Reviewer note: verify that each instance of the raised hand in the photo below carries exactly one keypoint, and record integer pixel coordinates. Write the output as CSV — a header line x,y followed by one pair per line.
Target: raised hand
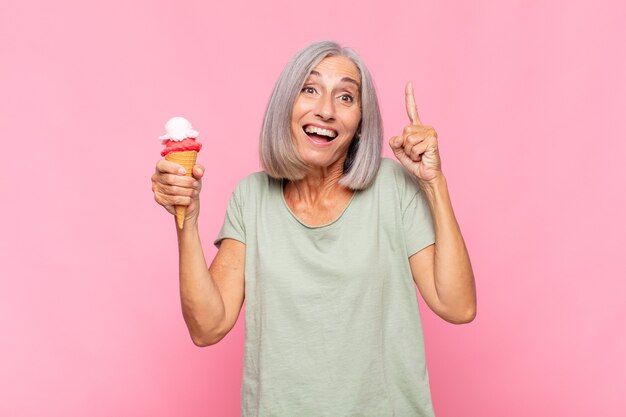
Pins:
x,y
417,149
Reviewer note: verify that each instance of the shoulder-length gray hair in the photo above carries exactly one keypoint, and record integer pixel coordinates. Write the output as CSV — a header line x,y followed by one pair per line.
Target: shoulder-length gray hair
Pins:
x,y
279,156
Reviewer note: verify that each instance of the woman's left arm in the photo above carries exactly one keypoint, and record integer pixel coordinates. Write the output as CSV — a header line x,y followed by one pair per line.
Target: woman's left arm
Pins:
x,y
442,272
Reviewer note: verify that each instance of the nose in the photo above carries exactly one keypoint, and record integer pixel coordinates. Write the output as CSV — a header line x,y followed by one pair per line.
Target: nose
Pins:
x,y
325,108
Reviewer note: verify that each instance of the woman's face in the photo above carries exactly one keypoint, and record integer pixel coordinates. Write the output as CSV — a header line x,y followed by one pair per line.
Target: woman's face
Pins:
x,y
327,113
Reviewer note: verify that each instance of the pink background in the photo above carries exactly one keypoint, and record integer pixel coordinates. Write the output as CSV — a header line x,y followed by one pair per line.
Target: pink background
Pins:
x,y
526,97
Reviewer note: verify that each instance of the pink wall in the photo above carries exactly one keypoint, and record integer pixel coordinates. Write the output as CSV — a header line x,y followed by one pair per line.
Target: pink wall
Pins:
x,y
526,97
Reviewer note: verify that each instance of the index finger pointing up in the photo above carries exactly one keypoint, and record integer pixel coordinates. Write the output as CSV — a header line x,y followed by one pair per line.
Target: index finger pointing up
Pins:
x,y
411,107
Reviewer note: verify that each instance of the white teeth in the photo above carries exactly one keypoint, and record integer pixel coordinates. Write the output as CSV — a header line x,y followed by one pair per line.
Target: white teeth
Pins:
x,y
320,131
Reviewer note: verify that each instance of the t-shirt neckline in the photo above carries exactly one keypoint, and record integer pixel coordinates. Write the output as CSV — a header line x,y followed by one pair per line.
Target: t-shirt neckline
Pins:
x,y
321,226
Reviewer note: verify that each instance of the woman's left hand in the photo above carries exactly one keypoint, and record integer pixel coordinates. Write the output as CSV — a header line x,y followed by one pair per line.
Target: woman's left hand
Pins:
x,y
417,149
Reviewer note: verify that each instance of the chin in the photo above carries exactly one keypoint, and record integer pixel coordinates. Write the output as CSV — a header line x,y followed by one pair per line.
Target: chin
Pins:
x,y
322,163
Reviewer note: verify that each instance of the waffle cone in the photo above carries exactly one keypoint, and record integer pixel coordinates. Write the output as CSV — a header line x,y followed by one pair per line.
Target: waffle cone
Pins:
x,y
187,159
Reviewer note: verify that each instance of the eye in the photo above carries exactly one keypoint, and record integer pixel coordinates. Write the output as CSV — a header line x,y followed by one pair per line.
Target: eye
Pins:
x,y
346,98
308,89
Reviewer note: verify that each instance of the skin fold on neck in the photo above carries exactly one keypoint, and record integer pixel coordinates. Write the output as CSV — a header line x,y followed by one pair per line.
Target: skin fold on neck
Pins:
x,y
318,198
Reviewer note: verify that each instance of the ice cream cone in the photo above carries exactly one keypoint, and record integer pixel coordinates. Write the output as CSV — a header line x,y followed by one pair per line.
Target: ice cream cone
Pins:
x,y
187,159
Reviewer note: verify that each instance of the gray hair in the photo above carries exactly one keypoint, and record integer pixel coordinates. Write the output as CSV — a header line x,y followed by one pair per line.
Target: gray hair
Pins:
x,y
279,156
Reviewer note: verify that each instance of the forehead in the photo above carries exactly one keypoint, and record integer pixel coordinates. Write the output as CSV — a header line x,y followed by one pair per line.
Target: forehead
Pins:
x,y
338,67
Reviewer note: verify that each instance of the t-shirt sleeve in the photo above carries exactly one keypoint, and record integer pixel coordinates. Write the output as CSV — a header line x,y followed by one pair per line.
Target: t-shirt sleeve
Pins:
x,y
416,218
233,227
418,224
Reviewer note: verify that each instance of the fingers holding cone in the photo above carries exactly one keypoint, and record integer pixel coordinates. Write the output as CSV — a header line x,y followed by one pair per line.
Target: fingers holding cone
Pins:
x,y
187,159
176,186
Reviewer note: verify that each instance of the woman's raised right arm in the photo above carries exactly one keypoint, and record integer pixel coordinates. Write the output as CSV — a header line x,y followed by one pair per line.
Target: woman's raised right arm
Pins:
x,y
211,298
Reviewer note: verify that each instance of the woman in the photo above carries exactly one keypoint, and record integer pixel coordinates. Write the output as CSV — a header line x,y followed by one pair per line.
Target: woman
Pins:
x,y
329,240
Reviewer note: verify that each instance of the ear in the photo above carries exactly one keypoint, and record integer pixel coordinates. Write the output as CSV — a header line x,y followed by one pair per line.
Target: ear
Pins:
x,y
352,151
357,135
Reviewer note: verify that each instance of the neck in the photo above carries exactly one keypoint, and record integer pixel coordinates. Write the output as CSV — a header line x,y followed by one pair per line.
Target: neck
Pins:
x,y
318,187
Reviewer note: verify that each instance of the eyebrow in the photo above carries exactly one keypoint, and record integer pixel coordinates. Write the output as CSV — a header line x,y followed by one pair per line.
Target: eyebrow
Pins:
x,y
346,79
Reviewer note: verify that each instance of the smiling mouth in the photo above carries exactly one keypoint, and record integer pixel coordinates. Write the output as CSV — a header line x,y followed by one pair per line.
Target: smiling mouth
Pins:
x,y
319,134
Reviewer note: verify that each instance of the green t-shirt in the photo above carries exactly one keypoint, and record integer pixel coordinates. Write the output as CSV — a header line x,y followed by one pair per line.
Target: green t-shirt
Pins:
x,y
332,323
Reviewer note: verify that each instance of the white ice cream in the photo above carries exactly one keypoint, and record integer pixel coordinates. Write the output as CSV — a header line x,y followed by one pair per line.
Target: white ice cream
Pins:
x,y
178,128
